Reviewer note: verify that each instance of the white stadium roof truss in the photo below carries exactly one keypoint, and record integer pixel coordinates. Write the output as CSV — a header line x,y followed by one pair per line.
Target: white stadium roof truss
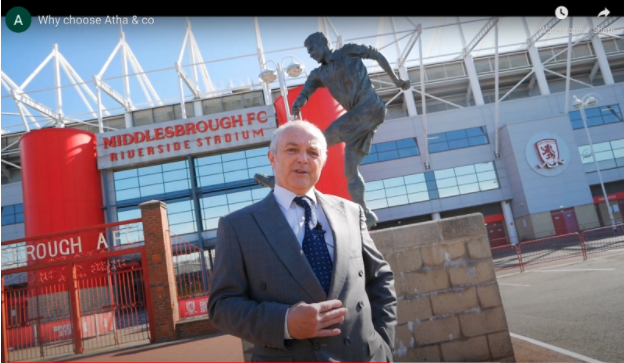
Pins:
x,y
200,84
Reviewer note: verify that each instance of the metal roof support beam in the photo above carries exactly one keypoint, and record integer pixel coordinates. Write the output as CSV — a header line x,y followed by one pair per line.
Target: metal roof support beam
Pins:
x,y
532,39
496,89
423,103
480,35
8,163
20,97
601,56
571,79
57,82
338,36
72,80
408,97
470,67
266,89
568,66
594,71
416,36
536,61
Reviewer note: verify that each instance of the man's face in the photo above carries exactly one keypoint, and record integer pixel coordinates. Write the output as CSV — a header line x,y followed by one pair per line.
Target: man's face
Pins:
x,y
317,51
298,160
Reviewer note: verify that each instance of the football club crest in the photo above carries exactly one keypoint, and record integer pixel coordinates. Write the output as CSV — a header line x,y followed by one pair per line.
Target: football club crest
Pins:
x,y
548,152
190,306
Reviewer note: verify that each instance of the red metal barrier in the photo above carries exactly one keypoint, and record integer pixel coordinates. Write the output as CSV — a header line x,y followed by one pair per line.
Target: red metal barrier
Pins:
x,y
551,249
604,238
506,257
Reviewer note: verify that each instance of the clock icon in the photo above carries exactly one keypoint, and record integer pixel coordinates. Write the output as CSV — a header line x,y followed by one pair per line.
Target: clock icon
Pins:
x,y
561,12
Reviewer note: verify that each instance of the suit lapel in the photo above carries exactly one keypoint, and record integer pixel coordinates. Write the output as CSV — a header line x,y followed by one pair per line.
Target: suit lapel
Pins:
x,y
284,242
335,213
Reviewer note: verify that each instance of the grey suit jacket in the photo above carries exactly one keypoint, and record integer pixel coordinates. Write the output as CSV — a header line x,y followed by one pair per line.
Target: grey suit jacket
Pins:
x,y
260,271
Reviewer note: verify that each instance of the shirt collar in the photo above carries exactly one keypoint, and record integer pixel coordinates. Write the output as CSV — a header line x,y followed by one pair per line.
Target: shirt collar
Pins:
x,y
334,55
285,197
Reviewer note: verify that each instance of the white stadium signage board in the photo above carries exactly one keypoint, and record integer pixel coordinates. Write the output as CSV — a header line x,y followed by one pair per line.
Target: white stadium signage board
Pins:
x,y
195,135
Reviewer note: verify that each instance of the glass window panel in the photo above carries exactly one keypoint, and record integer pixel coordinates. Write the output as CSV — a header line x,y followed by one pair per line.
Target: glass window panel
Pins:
x,y
414,178
378,204
184,228
604,155
594,121
484,167
394,182
214,201
400,200
458,144
236,175
8,210
370,158
611,118
488,175
374,185
211,180
239,197
257,152
475,131
445,183
404,153
455,135
19,218
216,159
150,170
375,194
175,175
585,153
602,146
262,160
150,179
210,169
388,155
237,206
177,185
406,143
577,124
588,168
431,185
436,148
444,173
386,146
619,153
479,140
489,184
373,148
177,218
467,179
235,165
448,192
592,112
9,219
469,188
418,197
429,176
416,188
128,215
393,192
607,164
125,174
575,115
620,162
178,207
152,189
259,194
19,208
268,170
233,156
433,194
210,224
436,138
617,144
464,170
174,166
215,212
127,194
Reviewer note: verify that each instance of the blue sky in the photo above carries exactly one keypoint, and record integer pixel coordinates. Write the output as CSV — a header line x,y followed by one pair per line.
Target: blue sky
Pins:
x,y
157,46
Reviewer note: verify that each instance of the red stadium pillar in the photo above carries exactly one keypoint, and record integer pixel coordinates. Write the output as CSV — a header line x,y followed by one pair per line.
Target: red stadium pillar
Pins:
x,y
321,110
62,191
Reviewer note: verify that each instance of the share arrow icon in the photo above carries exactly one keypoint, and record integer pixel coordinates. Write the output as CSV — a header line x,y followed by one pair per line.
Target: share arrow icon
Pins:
x,y
604,13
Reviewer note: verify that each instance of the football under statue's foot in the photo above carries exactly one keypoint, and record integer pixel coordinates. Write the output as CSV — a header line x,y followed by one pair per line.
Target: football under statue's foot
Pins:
x,y
266,180
371,219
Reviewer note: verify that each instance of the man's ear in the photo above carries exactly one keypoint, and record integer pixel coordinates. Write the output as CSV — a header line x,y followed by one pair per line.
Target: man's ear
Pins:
x,y
271,157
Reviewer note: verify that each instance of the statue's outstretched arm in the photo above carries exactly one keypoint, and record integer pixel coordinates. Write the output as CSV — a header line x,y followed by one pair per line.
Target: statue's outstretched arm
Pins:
x,y
369,52
383,63
312,84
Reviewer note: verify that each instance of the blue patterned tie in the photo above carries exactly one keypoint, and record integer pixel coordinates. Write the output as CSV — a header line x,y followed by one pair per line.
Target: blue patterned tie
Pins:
x,y
314,245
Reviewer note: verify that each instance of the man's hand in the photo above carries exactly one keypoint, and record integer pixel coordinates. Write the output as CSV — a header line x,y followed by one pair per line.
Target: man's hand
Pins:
x,y
404,85
310,320
296,107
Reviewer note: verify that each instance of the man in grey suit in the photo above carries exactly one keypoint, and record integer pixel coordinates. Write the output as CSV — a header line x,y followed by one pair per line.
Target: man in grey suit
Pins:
x,y
297,273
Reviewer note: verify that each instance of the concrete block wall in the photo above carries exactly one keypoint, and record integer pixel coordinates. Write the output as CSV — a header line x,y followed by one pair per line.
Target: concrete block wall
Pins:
x,y
449,308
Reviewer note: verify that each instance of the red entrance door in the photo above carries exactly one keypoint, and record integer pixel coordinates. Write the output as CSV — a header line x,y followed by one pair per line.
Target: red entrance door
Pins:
x,y
496,234
564,221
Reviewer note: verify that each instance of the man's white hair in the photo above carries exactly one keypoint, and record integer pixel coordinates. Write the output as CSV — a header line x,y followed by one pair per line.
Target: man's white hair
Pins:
x,y
300,124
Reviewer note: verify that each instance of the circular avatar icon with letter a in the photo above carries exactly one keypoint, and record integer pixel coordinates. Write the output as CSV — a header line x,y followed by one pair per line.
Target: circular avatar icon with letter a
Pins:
x,y
18,19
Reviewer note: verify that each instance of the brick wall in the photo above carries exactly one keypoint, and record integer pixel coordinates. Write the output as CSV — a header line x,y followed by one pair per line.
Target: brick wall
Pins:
x,y
449,306
194,328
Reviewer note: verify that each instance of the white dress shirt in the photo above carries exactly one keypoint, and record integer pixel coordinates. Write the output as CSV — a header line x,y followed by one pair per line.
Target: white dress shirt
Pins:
x,y
295,215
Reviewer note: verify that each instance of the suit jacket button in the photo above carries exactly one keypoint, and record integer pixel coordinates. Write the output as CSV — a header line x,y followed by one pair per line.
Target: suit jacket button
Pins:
x,y
347,341
317,346
263,286
359,307
361,273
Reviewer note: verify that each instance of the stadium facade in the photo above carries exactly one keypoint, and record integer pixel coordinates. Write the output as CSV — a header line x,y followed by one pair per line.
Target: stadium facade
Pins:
x,y
525,161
